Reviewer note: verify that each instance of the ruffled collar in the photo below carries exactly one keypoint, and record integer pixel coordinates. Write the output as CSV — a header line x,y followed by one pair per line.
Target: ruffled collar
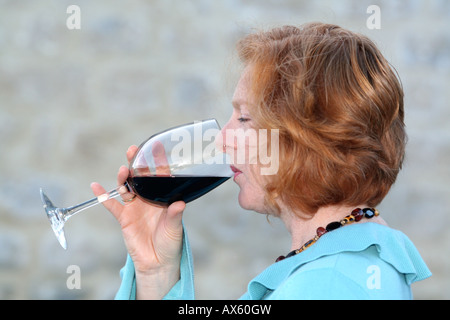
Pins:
x,y
393,246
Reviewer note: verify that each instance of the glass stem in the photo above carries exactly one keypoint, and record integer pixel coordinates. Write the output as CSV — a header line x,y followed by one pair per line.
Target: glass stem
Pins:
x,y
70,211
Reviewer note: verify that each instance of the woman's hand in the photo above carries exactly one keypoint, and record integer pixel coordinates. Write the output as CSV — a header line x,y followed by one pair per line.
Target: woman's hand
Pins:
x,y
153,237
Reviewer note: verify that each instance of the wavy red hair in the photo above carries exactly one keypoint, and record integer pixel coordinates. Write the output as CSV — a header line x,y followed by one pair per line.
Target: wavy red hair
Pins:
x,y
338,105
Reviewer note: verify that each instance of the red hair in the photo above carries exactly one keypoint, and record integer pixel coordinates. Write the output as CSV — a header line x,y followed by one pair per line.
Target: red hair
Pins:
x,y
338,106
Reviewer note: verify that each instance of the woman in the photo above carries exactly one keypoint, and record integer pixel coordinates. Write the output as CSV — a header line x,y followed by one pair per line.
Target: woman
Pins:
x,y
338,109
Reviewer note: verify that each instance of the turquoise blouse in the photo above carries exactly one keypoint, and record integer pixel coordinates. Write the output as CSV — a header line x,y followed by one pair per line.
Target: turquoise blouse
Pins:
x,y
359,261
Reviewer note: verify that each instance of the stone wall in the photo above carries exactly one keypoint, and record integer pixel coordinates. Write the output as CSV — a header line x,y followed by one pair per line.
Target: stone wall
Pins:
x,y
72,101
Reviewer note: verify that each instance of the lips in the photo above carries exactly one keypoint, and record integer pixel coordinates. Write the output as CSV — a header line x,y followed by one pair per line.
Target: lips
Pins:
x,y
236,171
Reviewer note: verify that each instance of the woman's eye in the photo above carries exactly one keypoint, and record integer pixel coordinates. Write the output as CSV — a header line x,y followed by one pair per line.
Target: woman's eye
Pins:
x,y
242,119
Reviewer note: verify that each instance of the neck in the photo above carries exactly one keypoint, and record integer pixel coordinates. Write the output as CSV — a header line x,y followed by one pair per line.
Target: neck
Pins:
x,y
302,228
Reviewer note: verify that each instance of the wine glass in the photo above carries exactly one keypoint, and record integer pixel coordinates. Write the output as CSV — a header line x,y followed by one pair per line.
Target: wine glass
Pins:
x,y
181,163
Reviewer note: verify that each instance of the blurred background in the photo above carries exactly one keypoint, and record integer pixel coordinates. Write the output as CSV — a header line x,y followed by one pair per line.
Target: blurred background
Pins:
x,y
73,100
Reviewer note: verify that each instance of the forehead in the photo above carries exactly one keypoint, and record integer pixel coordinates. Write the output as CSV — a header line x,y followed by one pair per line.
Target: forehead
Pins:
x,y
241,93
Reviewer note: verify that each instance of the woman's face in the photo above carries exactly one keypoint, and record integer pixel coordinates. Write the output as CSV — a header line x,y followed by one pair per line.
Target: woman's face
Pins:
x,y
240,143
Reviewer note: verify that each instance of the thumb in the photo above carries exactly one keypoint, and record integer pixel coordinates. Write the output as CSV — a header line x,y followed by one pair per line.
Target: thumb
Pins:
x,y
174,217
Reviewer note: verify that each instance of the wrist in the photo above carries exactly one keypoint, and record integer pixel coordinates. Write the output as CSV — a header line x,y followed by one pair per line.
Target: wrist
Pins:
x,y
154,285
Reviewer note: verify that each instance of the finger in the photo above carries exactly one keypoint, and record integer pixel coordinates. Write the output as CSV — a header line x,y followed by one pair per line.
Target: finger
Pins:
x,y
122,176
137,162
131,152
160,159
112,205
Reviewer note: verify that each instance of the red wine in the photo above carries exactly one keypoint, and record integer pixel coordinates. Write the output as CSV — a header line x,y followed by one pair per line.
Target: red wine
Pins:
x,y
168,189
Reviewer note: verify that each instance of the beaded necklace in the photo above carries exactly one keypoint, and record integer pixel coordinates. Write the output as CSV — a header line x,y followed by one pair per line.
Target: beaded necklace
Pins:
x,y
356,215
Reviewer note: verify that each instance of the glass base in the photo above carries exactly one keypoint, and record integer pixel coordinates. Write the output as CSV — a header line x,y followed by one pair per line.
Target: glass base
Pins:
x,y
56,218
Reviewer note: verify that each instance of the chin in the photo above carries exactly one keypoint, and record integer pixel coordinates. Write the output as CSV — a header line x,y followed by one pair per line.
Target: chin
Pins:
x,y
251,204
243,203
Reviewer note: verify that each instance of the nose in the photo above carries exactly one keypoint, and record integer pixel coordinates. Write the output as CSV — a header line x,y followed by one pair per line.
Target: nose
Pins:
x,y
225,143
221,140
